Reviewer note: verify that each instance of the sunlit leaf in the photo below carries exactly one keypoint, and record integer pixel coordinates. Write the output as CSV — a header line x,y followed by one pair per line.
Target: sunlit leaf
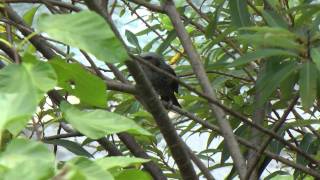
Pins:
x,y
22,157
98,123
29,15
76,80
83,168
22,87
85,30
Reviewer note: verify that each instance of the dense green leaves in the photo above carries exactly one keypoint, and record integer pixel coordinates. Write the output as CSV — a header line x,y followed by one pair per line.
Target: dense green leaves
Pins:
x,y
26,159
270,37
261,53
22,87
90,89
85,30
265,48
98,123
273,78
270,40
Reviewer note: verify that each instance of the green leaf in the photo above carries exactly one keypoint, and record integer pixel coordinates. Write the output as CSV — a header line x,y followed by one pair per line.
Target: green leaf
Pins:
x,y
315,55
166,43
29,15
276,173
147,30
22,87
71,146
98,123
165,22
283,177
239,13
90,89
42,74
133,174
287,86
119,161
36,74
265,30
275,146
271,40
132,38
300,123
308,145
260,53
16,90
149,45
273,19
85,169
85,30
273,79
28,160
308,84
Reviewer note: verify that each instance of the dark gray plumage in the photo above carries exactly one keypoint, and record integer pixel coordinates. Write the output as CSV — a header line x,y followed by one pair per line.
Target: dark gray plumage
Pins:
x,y
164,85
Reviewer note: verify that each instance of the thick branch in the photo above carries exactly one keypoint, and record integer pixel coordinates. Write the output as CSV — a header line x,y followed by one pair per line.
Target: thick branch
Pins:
x,y
166,127
154,105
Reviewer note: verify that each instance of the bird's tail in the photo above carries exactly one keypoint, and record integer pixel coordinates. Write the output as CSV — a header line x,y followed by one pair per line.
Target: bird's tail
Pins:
x,y
174,100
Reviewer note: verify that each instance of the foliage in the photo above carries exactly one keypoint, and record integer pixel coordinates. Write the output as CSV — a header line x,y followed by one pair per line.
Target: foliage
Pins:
x,y
259,56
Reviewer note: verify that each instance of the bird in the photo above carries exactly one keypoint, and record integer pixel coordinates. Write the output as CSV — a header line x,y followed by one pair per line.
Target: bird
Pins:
x,y
164,85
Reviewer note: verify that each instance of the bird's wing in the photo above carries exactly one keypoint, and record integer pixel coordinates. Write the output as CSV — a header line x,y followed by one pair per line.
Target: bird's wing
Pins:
x,y
174,84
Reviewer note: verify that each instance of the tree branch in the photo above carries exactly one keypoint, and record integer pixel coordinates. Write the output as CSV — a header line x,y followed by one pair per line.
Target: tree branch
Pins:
x,y
149,6
199,70
53,2
275,128
243,141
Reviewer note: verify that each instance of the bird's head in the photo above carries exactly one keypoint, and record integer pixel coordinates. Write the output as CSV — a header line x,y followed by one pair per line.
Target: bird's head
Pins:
x,y
153,58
